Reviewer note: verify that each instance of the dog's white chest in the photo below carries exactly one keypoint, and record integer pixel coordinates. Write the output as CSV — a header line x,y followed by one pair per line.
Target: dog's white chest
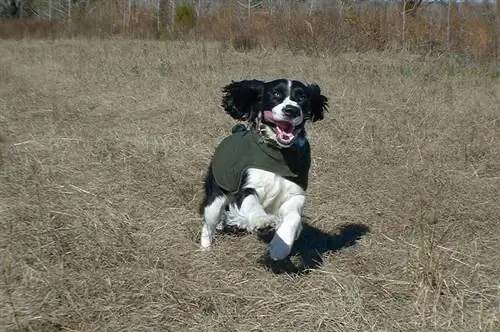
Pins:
x,y
272,190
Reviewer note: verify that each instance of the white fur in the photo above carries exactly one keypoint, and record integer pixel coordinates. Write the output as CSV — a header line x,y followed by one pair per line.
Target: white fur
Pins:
x,y
250,215
278,203
279,115
278,109
290,228
212,215
272,189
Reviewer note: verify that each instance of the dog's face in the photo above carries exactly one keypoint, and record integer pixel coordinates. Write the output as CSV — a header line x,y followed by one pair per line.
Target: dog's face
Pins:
x,y
278,109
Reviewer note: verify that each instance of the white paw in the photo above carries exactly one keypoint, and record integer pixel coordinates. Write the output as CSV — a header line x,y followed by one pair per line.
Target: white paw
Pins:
x,y
205,244
206,237
278,249
204,249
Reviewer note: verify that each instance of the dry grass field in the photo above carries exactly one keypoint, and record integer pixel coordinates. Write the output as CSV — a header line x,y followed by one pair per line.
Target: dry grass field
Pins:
x,y
104,145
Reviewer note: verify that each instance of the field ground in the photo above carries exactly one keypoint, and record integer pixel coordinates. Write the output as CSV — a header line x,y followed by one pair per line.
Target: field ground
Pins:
x,y
104,145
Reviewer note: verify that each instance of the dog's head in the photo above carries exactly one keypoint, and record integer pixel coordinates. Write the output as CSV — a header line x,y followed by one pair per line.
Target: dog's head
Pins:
x,y
278,109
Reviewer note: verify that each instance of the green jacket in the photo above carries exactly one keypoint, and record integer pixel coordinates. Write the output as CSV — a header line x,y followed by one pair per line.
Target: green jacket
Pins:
x,y
244,149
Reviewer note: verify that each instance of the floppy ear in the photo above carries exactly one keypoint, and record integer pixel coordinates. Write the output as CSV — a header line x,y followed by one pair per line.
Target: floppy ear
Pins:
x,y
242,100
318,103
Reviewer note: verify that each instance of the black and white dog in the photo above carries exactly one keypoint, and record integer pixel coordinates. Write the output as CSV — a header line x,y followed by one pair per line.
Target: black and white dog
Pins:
x,y
258,175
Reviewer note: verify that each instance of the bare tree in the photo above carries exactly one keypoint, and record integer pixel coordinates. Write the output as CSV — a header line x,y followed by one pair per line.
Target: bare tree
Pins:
x,y
249,5
448,27
162,13
497,36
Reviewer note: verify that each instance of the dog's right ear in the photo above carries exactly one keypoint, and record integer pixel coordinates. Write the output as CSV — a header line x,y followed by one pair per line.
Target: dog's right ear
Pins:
x,y
242,100
318,103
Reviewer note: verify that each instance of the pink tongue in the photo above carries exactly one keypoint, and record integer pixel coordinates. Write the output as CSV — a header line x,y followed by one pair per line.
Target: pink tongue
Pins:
x,y
284,127
285,136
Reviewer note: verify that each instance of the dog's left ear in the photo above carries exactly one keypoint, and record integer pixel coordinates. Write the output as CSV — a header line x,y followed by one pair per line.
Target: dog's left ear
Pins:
x,y
242,100
318,103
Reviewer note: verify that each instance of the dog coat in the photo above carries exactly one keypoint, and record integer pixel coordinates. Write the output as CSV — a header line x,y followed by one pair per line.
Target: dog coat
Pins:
x,y
244,149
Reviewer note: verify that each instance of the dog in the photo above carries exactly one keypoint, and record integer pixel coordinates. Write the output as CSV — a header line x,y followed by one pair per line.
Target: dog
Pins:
x,y
258,175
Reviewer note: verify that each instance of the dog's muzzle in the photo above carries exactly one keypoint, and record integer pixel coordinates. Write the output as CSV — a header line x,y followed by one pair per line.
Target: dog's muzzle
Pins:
x,y
286,133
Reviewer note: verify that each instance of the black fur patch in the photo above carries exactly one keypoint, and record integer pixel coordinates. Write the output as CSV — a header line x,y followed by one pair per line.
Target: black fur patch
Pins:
x,y
241,100
212,190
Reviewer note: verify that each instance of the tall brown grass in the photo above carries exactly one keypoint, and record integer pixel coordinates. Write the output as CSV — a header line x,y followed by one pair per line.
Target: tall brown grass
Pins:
x,y
470,29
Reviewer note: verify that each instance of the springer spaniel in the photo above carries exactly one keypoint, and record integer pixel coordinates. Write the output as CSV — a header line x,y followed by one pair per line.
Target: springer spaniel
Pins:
x,y
258,175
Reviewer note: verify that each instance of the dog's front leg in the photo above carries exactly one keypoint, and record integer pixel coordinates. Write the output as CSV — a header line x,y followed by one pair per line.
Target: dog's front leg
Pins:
x,y
289,230
211,218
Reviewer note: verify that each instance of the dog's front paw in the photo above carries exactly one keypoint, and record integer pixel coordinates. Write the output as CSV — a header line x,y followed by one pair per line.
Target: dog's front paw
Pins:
x,y
205,244
206,240
278,248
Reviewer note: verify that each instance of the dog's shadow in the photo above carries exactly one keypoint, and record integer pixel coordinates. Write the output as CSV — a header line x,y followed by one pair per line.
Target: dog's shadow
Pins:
x,y
312,245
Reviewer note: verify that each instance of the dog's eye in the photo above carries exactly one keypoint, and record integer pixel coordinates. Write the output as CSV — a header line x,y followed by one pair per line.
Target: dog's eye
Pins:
x,y
277,94
301,98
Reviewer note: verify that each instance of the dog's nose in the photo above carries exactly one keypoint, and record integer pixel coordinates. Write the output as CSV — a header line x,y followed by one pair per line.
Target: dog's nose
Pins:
x,y
291,111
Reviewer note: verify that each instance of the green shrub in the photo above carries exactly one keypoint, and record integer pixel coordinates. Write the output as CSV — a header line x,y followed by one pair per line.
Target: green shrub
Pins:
x,y
185,14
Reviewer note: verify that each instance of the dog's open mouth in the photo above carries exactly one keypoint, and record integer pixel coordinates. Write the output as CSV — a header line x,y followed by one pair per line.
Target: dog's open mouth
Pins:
x,y
284,130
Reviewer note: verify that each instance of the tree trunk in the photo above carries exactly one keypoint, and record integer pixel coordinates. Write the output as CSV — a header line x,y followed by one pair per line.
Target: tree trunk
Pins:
x,y
162,13
448,27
